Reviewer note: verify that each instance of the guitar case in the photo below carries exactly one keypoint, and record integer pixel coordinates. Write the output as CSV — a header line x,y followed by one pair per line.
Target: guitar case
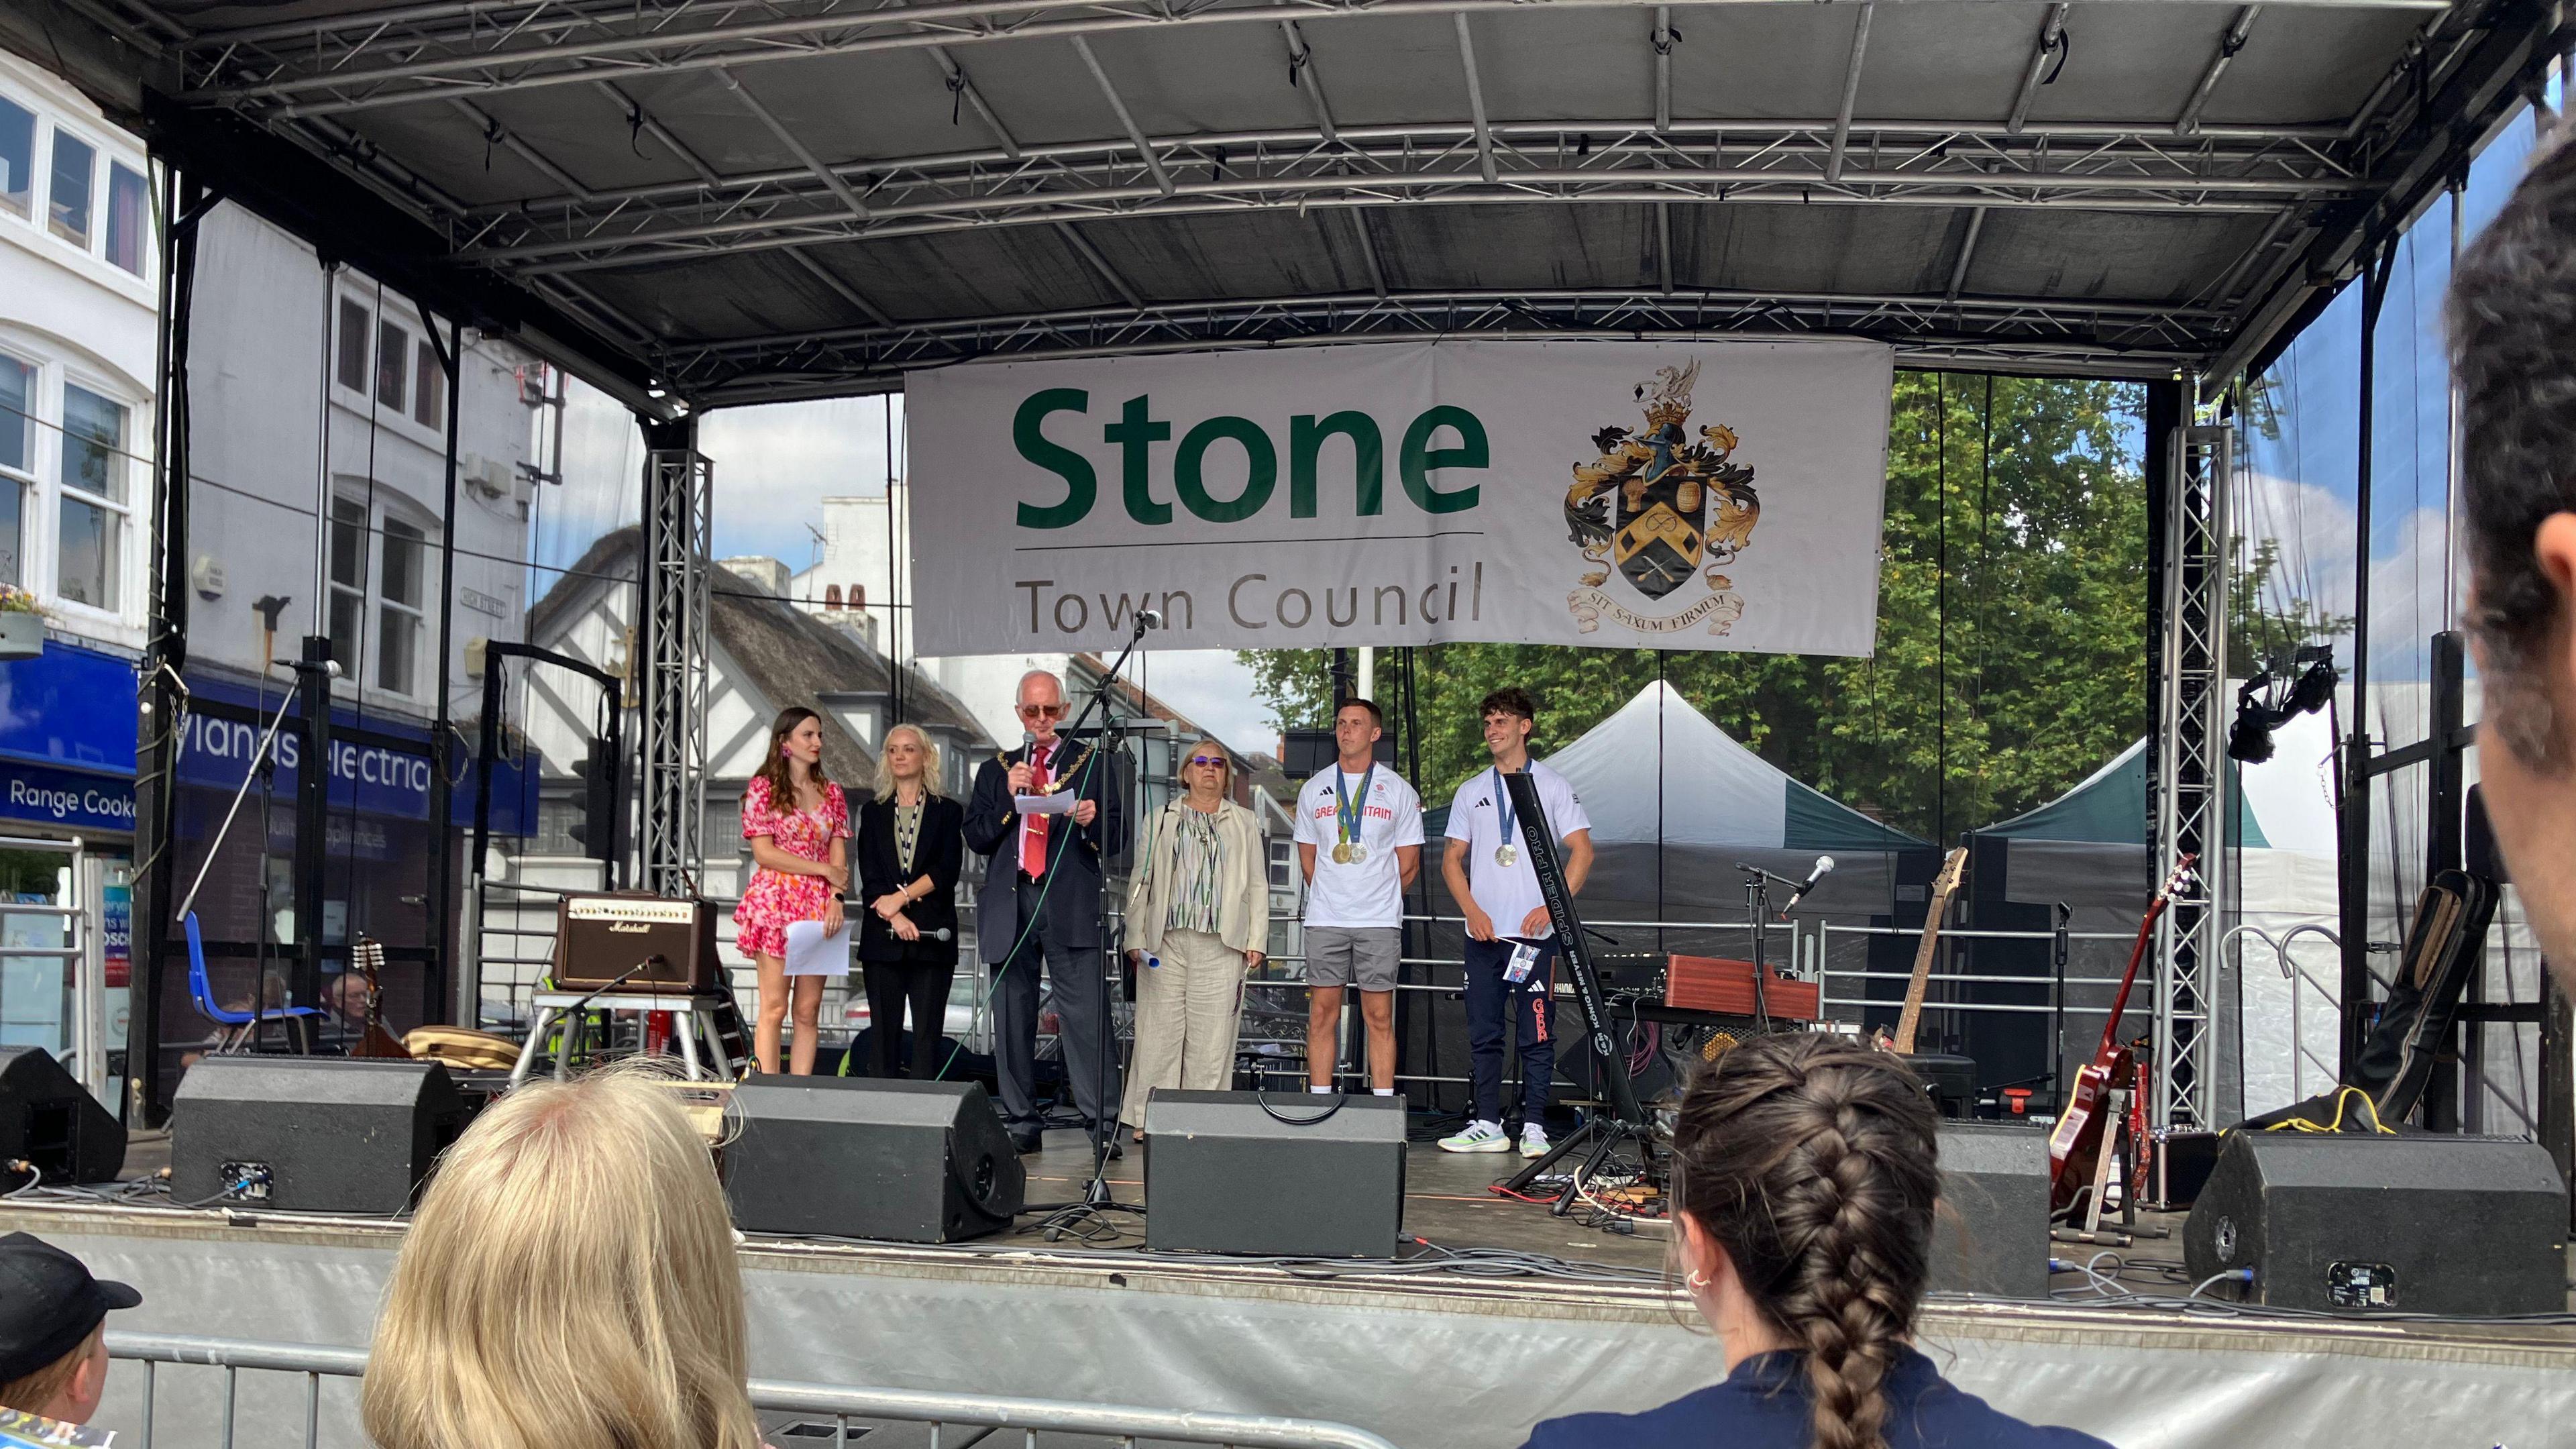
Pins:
x,y
2446,944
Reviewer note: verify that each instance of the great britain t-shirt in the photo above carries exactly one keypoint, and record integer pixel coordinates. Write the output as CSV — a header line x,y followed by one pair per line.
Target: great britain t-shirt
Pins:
x,y
1508,893
1368,892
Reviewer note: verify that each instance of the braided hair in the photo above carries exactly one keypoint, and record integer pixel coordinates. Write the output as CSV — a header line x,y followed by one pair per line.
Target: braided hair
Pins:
x,y
1812,1160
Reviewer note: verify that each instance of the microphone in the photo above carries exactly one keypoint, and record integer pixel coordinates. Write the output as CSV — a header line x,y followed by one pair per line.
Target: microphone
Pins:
x,y
942,934
1824,867
1150,618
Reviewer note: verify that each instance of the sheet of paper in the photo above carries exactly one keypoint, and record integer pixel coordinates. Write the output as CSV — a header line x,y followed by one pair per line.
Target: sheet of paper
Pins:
x,y
811,953
1058,803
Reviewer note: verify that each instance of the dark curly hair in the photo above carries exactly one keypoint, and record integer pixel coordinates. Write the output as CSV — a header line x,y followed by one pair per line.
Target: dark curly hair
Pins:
x,y
2512,313
1813,1160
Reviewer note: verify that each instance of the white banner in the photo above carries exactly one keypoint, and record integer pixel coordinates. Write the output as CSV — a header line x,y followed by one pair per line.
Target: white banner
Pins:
x,y
1686,496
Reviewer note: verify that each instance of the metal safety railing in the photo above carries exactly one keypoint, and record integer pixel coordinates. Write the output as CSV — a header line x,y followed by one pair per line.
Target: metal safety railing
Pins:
x,y
984,1413
2297,976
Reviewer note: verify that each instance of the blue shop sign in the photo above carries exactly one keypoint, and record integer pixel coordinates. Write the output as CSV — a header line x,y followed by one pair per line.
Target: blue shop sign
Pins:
x,y
69,706
71,799
377,779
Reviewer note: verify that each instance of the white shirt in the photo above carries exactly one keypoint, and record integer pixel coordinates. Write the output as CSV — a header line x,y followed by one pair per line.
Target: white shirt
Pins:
x,y
1367,892
1508,893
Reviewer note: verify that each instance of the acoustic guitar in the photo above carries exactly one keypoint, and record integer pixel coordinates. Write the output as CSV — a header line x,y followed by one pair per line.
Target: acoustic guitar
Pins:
x,y
2075,1145
368,958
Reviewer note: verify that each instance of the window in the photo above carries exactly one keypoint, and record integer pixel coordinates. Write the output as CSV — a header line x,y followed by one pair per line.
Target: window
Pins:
x,y
393,356
354,322
1283,863
398,615
348,575
67,202
17,159
429,393
17,457
127,221
93,499
388,658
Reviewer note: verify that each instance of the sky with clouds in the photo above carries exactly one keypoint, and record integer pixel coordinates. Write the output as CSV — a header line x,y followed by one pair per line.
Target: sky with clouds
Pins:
x,y
773,466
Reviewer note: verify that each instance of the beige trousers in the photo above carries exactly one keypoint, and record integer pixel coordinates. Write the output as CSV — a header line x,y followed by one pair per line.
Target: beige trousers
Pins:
x,y
1188,1012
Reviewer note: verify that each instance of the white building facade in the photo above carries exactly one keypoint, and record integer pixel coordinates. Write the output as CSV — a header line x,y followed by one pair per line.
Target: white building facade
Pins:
x,y
79,307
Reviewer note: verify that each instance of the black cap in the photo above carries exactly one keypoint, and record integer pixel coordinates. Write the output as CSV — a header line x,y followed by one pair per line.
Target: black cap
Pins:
x,y
48,1304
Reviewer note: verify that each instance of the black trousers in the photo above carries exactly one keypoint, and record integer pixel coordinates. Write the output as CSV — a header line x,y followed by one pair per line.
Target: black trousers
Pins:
x,y
1080,991
892,985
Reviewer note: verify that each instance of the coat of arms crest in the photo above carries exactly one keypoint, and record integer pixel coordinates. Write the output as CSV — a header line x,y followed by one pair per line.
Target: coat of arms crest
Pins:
x,y
1644,505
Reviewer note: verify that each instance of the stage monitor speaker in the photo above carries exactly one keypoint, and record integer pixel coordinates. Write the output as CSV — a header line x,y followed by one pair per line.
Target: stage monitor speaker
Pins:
x,y
310,1134
859,1157
2416,1224
50,1120
1274,1174
1991,1233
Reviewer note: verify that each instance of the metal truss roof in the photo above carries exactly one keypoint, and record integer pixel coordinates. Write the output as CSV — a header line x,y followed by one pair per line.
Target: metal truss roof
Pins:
x,y
752,199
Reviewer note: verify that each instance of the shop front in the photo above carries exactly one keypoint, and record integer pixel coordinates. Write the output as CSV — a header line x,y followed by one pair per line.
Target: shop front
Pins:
x,y
67,751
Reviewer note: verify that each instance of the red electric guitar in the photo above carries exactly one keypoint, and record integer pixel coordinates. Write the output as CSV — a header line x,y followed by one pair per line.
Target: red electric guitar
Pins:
x,y
2075,1147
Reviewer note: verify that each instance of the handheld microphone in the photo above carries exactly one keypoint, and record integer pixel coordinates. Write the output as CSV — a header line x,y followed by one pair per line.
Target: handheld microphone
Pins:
x,y
942,934
1824,867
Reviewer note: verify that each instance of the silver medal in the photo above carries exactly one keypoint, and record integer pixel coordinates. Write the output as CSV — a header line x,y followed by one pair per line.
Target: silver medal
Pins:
x,y
1505,855
1359,852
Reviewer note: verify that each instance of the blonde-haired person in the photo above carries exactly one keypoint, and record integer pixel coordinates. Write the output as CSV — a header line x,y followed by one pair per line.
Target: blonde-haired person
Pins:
x,y
911,846
568,1283
1805,1168
1199,911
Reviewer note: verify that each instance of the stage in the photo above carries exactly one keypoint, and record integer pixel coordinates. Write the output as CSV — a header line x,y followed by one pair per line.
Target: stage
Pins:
x,y
1501,1316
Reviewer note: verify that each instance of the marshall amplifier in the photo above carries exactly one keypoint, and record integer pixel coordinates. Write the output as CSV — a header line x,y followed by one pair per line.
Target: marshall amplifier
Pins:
x,y
599,938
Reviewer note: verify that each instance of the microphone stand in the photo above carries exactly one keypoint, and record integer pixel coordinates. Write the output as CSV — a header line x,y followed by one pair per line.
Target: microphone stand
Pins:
x,y
1757,899
1083,1216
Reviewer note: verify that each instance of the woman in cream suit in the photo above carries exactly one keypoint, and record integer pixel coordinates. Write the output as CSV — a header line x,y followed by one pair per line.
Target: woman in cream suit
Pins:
x,y
1198,916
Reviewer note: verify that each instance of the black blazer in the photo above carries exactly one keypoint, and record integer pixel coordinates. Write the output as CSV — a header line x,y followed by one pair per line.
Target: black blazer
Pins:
x,y
940,854
1073,902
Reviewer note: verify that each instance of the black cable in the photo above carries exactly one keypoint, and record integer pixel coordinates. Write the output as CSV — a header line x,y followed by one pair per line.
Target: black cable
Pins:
x,y
1262,1098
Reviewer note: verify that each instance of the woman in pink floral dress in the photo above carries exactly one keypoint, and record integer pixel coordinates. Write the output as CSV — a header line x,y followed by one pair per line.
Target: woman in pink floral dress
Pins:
x,y
799,829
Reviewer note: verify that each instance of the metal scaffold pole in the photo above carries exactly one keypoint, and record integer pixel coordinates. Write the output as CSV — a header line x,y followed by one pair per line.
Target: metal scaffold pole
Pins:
x,y
679,504
2192,777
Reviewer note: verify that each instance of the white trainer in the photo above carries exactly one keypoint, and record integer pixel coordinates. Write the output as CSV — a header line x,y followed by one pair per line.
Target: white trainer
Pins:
x,y
1533,1141
1478,1137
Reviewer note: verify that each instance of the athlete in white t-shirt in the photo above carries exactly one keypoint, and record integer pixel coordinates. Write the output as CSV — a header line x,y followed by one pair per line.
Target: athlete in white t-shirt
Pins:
x,y
1489,875
1359,841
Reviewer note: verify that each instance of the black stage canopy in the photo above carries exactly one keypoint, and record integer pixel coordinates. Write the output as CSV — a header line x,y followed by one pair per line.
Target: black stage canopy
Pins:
x,y
735,202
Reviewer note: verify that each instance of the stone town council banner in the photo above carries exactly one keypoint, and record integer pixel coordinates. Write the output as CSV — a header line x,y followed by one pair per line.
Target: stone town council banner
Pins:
x,y
1687,496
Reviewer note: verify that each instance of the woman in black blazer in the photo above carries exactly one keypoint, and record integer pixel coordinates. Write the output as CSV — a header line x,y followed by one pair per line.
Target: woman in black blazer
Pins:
x,y
911,844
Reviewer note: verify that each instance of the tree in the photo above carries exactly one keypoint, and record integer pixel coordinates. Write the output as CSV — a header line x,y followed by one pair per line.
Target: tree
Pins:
x,y
2012,618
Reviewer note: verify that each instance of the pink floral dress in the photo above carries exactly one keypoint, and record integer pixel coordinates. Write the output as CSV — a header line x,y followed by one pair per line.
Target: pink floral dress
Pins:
x,y
776,899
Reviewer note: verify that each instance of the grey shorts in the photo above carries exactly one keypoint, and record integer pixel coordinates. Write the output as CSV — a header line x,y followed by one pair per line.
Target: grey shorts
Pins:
x,y
1344,955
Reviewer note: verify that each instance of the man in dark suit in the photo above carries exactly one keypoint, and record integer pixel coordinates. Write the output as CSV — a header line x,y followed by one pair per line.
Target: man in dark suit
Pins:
x,y
1040,900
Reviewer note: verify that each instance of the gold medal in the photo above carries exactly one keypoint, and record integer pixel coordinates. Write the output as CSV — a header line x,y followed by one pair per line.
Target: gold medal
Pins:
x,y
1359,852
1342,853
1505,855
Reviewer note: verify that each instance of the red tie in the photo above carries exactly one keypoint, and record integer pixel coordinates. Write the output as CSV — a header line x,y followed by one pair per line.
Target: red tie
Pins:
x,y
1033,838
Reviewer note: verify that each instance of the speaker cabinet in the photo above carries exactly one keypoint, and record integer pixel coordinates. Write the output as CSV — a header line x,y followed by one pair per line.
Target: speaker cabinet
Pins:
x,y
310,1134
1991,1233
1276,1174
859,1157
48,1119
2415,1224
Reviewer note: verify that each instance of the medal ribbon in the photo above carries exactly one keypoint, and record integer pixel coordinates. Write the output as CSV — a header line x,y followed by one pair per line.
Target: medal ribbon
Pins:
x,y
1346,813
1502,809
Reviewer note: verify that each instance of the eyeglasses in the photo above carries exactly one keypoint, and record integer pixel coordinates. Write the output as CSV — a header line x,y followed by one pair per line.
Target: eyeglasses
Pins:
x,y
1043,711
1207,759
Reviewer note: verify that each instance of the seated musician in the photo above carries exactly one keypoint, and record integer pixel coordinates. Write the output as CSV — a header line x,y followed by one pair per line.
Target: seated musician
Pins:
x,y
1804,1174
2513,344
